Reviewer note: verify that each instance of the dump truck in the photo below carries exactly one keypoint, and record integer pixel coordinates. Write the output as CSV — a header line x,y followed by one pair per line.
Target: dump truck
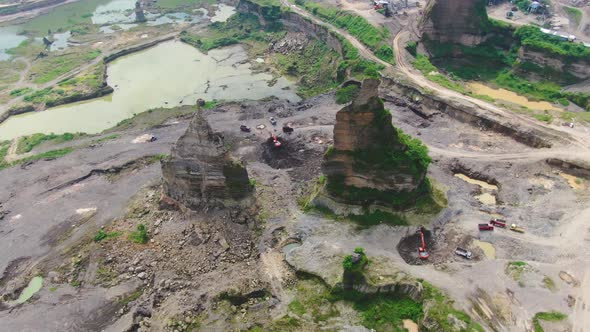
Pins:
x,y
463,253
516,228
485,227
498,222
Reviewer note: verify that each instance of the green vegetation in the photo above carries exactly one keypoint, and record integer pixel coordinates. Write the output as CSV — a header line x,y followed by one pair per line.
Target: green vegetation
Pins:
x,y
378,217
411,47
152,118
238,28
181,4
20,91
574,14
545,117
27,143
431,72
53,154
140,236
4,146
384,313
101,235
348,264
125,300
552,316
315,66
347,94
441,307
51,67
63,18
377,39
10,71
27,49
532,37
516,270
549,283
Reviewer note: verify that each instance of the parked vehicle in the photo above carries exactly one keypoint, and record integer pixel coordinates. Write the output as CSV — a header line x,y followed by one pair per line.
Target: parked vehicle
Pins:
x,y
517,229
273,121
463,253
245,128
485,227
498,222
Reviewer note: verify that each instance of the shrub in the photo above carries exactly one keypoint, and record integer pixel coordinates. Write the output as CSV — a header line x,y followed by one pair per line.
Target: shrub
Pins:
x,y
140,236
411,47
347,94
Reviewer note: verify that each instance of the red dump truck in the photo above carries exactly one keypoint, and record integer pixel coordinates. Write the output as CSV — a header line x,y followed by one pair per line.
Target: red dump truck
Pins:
x,y
485,227
498,222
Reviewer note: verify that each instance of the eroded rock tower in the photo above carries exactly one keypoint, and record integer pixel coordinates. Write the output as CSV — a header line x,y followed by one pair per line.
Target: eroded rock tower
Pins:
x,y
372,162
455,21
200,172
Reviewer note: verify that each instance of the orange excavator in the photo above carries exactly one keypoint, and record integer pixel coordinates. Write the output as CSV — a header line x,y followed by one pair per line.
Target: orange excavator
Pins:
x,y
422,250
275,140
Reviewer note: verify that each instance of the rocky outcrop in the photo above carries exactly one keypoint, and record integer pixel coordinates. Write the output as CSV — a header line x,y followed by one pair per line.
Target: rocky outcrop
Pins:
x,y
566,70
200,172
369,162
455,21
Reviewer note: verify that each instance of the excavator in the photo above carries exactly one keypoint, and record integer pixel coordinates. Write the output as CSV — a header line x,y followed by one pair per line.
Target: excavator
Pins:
x,y
422,250
275,140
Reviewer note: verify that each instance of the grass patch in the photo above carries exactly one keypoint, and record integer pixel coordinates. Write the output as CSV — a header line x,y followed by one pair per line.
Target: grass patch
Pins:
x,y
379,217
20,91
549,283
107,138
545,117
49,68
297,308
125,300
532,37
376,39
552,316
139,236
174,4
422,63
347,94
27,143
516,270
442,307
102,235
574,14
53,154
152,118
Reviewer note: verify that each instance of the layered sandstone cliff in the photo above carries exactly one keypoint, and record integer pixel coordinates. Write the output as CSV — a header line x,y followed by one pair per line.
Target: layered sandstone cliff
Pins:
x,y
200,172
370,161
455,21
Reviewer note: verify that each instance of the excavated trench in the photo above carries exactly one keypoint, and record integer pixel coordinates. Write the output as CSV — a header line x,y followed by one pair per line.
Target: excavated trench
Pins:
x,y
408,247
291,153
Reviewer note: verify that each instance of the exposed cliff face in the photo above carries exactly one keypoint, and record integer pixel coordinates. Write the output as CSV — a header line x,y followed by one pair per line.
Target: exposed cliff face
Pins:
x,y
561,69
200,172
369,163
455,21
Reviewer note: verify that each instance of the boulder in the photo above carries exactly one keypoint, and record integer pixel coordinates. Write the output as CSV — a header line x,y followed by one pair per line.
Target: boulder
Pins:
x,y
200,172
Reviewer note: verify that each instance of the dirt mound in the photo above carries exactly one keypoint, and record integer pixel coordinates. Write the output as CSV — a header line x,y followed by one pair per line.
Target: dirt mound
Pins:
x,y
408,247
291,153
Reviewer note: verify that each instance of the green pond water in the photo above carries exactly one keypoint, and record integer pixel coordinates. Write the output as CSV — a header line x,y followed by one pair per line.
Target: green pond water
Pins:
x,y
166,75
32,288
